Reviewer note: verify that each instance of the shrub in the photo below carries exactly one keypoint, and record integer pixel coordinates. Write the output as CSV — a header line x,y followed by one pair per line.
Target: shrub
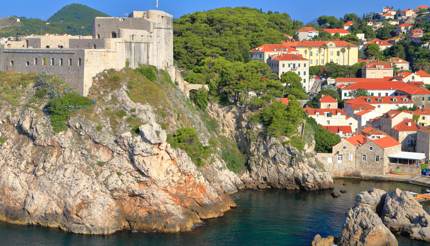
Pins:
x,y
149,72
60,108
232,156
324,140
187,140
2,140
200,98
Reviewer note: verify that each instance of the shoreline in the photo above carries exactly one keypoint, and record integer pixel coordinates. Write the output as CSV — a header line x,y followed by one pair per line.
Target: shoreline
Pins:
x,y
418,180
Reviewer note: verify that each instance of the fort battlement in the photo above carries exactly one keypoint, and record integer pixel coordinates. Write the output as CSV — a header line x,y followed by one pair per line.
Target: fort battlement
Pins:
x,y
145,37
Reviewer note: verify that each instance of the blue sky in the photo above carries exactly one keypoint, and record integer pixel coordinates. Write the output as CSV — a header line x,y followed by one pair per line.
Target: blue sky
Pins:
x,y
304,10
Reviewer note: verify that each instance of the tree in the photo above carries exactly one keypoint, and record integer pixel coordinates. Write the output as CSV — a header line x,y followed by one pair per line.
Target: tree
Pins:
x,y
386,32
396,50
200,98
293,85
324,140
373,51
329,21
324,92
360,93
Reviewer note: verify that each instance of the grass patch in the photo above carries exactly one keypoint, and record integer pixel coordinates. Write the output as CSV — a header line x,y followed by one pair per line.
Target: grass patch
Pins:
x,y
297,142
2,140
187,140
134,124
60,109
233,157
13,85
150,72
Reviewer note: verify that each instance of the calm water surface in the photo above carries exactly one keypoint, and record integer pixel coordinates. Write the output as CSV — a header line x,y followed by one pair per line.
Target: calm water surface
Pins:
x,y
262,218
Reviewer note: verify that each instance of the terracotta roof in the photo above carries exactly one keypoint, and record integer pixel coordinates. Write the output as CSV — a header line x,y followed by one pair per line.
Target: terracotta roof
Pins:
x,y
327,99
393,85
274,48
379,42
307,29
378,65
348,23
362,80
359,106
363,112
397,60
284,100
405,25
312,43
372,131
357,139
385,142
336,30
322,111
407,125
339,129
422,73
423,7
289,57
379,100
421,112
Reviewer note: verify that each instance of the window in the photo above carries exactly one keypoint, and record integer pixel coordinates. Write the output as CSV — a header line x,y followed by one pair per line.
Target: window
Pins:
x,y
98,36
48,46
377,158
52,61
61,62
364,157
27,64
350,157
114,35
371,148
95,46
339,157
12,63
70,62
80,62
44,61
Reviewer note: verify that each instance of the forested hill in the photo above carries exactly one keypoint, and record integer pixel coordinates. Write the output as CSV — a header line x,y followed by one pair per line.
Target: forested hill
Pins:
x,y
228,33
75,19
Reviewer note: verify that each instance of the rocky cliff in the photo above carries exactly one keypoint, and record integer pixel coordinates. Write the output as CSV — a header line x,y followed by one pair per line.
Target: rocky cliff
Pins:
x,y
113,169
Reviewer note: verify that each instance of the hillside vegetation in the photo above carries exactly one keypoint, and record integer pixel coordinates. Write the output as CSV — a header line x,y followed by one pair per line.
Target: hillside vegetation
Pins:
x,y
75,19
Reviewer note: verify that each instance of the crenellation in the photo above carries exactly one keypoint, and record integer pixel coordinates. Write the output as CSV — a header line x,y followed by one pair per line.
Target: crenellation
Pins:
x,y
144,38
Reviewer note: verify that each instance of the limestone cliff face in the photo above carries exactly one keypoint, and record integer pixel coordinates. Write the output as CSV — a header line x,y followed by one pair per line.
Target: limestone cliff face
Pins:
x,y
92,181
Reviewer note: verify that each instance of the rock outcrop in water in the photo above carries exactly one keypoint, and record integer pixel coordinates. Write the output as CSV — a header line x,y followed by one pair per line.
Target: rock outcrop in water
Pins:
x,y
378,214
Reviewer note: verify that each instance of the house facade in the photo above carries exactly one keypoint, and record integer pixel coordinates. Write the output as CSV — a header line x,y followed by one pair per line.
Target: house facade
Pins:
x,y
291,63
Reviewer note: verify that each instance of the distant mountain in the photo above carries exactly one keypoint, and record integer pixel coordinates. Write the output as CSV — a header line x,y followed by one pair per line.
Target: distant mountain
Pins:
x,y
75,19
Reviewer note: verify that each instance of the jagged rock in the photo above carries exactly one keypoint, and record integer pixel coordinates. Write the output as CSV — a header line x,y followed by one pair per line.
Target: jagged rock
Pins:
x,y
404,215
273,164
363,227
153,133
335,194
371,198
321,241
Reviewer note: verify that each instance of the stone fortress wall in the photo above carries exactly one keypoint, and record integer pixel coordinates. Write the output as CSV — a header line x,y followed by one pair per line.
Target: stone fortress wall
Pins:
x,y
145,37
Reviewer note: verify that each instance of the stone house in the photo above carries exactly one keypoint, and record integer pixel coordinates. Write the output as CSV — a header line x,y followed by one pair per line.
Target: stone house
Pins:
x,y
399,64
377,70
295,63
332,117
423,141
327,101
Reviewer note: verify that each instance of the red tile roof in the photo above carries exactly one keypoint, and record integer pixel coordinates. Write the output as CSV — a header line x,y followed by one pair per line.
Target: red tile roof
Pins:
x,y
393,85
312,43
348,23
405,25
407,125
421,112
274,48
363,112
378,65
361,80
379,42
379,100
307,29
322,111
339,129
327,99
284,100
336,30
289,57
359,106
422,73
386,142
368,131
423,7
357,139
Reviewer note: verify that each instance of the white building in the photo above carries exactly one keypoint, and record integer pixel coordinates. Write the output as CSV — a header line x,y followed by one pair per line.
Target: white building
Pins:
x,y
307,33
292,63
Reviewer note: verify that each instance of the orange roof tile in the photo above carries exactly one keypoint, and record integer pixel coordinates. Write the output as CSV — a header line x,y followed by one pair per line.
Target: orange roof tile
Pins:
x,y
327,99
314,43
289,57
274,48
284,100
357,139
307,29
372,131
379,100
338,129
348,23
336,30
393,85
407,125
385,142
422,73
379,42
378,65
421,112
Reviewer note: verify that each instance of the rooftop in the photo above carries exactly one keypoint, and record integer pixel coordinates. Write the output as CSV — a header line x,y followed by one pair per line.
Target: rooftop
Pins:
x,y
392,85
378,65
406,125
327,99
379,100
336,30
274,48
312,43
289,57
307,29
338,129
322,111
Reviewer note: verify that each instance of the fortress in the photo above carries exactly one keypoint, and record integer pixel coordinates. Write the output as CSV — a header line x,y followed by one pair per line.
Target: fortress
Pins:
x,y
145,37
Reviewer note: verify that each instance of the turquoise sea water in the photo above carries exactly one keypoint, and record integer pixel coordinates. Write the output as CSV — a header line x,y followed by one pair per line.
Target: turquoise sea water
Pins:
x,y
262,218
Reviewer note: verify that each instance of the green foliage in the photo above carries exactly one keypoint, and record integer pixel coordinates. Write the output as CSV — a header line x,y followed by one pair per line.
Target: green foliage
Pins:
x,y
200,98
297,142
75,19
187,140
329,22
150,72
334,70
12,85
293,85
2,140
233,157
228,33
60,109
281,120
373,51
386,32
324,140
327,91
360,93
